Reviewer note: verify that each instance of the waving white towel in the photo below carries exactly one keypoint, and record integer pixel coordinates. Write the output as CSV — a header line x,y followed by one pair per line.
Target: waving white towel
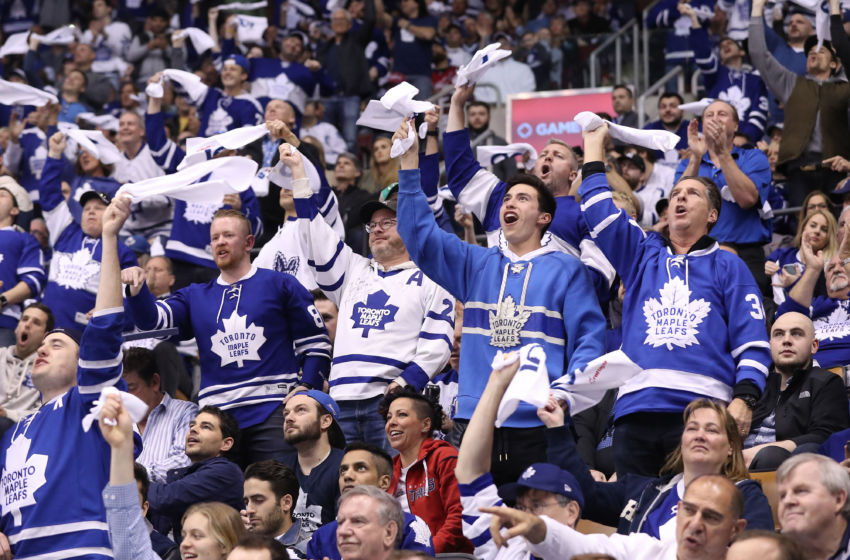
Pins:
x,y
697,107
208,181
200,39
585,388
250,29
491,155
192,83
201,149
135,406
242,6
653,139
20,94
395,105
95,143
483,59
530,384
109,122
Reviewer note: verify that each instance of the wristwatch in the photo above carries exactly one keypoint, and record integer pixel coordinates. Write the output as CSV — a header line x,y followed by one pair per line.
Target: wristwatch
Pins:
x,y
749,400
433,133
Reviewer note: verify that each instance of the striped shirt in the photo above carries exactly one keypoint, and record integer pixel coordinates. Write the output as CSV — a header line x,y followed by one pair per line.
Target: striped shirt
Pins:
x,y
164,438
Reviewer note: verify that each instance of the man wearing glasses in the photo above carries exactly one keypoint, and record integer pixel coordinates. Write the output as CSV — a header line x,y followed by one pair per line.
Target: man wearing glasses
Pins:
x,y
395,324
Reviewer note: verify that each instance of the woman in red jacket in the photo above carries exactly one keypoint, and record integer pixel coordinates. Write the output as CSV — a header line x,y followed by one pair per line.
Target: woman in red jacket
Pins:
x,y
424,480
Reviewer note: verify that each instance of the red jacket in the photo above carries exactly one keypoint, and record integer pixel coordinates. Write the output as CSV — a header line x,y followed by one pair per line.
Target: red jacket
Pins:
x,y
433,495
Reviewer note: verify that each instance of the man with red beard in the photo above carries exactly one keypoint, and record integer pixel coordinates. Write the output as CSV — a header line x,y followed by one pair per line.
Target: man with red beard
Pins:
x,y
255,328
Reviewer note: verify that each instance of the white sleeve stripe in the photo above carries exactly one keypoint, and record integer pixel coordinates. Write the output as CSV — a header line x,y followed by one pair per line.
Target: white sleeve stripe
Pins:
x,y
754,344
107,311
594,199
604,224
753,364
91,389
100,364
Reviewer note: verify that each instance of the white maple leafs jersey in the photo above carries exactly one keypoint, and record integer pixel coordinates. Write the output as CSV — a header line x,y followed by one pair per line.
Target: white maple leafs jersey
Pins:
x,y
831,318
53,471
693,322
392,324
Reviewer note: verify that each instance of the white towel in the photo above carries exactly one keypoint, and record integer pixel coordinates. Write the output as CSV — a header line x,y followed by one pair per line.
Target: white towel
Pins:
x,y
220,176
135,406
15,44
250,29
491,155
109,122
530,384
483,59
587,387
195,89
20,94
395,106
242,6
201,149
95,143
200,39
281,175
399,147
653,139
697,107
60,36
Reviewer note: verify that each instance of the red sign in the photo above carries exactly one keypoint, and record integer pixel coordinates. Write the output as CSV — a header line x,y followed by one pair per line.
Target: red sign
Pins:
x,y
534,118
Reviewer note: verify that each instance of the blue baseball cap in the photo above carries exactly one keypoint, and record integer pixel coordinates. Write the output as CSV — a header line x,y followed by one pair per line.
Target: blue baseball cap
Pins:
x,y
546,477
335,434
138,244
240,60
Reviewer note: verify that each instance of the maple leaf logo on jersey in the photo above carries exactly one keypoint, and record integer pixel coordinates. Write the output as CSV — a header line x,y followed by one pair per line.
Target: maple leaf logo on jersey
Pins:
x,y
507,322
673,320
1,257
218,122
239,341
76,270
282,264
201,212
736,98
22,476
421,532
375,313
834,326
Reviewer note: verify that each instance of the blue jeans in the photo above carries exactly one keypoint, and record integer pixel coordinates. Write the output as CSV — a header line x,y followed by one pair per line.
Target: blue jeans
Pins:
x,y
360,421
343,112
263,441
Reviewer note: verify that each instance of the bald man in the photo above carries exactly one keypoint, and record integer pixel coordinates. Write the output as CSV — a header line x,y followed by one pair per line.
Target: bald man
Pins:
x,y
802,403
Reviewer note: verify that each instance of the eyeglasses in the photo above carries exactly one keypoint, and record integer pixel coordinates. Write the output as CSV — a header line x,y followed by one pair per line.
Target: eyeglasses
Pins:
x,y
383,224
535,507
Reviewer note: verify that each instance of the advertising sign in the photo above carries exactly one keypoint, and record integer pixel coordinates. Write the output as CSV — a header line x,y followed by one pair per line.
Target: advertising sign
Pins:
x,y
536,117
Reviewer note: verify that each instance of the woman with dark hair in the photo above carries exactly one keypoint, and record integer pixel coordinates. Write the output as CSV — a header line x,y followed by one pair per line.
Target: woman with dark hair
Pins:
x,y
424,470
710,444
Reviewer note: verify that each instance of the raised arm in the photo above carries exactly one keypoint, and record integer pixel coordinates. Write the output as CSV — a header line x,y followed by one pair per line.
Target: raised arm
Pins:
x,y
127,529
778,79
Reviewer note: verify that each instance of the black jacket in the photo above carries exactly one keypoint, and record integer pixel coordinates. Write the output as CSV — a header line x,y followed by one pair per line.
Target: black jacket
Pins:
x,y
352,65
812,407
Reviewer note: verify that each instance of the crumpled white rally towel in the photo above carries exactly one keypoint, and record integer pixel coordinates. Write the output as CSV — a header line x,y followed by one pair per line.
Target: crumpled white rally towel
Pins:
x,y
109,122
190,82
242,6
697,107
201,149
95,143
19,42
12,93
388,112
653,139
250,29
207,181
200,39
135,406
491,155
483,59
585,388
530,384
281,176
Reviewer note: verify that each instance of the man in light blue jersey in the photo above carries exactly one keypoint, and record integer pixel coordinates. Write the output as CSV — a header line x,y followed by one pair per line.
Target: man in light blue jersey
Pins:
x,y
515,295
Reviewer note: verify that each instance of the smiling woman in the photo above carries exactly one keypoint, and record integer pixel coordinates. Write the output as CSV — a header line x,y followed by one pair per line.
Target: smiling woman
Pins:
x,y
423,480
709,445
